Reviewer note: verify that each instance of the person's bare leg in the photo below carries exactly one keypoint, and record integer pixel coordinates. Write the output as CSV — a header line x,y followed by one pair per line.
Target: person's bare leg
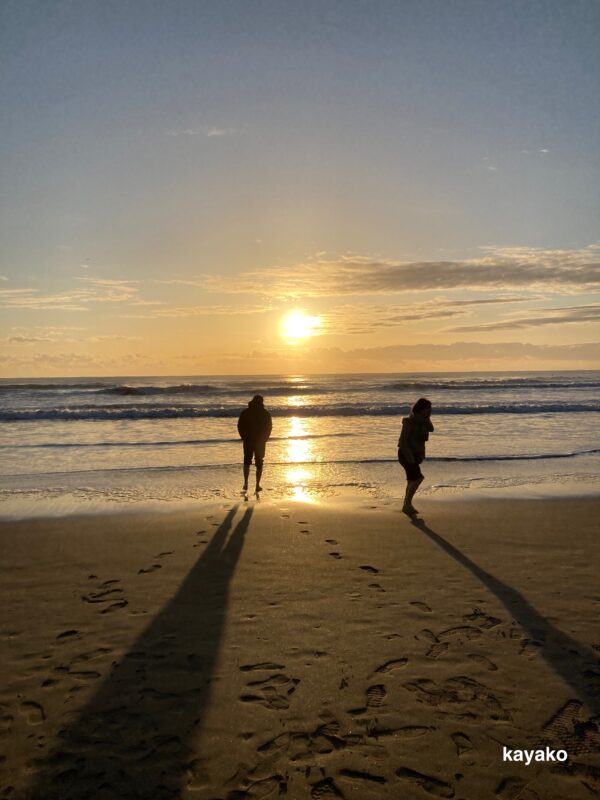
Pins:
x,y
408,495
411,488
246,476
416,485
259,469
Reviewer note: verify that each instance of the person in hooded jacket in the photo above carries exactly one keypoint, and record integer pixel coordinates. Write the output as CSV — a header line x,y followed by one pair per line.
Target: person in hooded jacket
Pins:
x,y
254,426
411,449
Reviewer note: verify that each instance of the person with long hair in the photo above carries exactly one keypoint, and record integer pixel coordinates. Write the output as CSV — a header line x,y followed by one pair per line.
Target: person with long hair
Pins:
x,y
411,449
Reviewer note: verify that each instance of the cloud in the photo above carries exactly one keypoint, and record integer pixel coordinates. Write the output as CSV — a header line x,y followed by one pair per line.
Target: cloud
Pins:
x,y
210,132
26,339
14,292
201,311
497,269
181,281
548,316
479,351
97,290
417,357
362,319
112,337
45,363
54,335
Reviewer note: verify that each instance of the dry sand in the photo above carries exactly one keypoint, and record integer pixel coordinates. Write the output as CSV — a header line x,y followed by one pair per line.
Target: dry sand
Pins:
x,y
289,648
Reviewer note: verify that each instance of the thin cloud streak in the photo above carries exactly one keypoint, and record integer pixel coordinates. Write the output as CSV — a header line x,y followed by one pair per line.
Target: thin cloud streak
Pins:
x,y
361,319
498,269
200,311
551,316
210,132
101,290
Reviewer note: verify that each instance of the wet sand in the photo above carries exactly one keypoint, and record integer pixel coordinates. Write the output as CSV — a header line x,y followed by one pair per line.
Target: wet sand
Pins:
x,y
319,651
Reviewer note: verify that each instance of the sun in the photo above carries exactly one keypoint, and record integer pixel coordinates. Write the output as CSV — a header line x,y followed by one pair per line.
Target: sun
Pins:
x,y
297,325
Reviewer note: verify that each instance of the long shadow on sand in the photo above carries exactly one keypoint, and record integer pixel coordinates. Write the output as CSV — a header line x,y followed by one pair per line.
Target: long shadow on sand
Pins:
x,y
134,737
564,655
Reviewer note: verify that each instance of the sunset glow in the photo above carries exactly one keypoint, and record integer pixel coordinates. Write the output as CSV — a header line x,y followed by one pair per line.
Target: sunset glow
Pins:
x,y
298,325
283,217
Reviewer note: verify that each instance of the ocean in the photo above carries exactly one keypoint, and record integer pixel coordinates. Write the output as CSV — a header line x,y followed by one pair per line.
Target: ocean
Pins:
x,y
96,444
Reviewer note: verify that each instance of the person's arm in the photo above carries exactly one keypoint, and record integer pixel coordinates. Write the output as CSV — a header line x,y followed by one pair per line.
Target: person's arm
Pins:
x,y
240,425
405,441
430,427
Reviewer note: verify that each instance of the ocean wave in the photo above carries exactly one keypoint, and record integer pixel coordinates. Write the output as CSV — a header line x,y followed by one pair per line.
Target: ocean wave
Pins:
x,y
280,387
488,385
175,442
6,388
166,411
274,464
202,390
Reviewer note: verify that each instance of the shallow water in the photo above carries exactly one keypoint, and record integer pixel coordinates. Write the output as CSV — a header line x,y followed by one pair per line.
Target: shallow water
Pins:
x,y
73,445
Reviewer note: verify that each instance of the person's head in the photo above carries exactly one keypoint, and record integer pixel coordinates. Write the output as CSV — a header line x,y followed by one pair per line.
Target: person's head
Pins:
x,y
257,400
422,407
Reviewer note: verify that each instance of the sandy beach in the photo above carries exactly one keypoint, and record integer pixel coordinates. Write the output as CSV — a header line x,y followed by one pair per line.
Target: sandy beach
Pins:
x,y
340,651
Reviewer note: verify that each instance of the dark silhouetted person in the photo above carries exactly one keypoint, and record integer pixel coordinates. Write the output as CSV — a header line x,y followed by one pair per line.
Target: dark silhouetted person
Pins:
x,y
254,427
411,449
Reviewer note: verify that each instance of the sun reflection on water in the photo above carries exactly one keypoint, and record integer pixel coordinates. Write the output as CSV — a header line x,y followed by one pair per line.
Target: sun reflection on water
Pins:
x,y
300,451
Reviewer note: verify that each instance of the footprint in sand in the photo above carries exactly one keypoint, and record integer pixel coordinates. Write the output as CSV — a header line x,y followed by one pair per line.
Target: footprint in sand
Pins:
x,y
153,568
483,660
325,790
84,675
272,692
431,785
377,587
196,776
263,665
331,541
395,663
460,633
530,648
459,695
92,655
358,775
166,553
335,555
376,695
368,568
404,732
72,634
481,619
421,606
33,712
436,650
101,597
114,606
464,748
573,728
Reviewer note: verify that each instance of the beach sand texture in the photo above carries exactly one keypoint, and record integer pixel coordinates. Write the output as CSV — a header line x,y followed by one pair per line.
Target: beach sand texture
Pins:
x,y
314,652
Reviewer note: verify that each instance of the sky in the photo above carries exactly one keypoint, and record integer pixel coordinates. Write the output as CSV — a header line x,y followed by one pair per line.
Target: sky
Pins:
x,y
414,183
